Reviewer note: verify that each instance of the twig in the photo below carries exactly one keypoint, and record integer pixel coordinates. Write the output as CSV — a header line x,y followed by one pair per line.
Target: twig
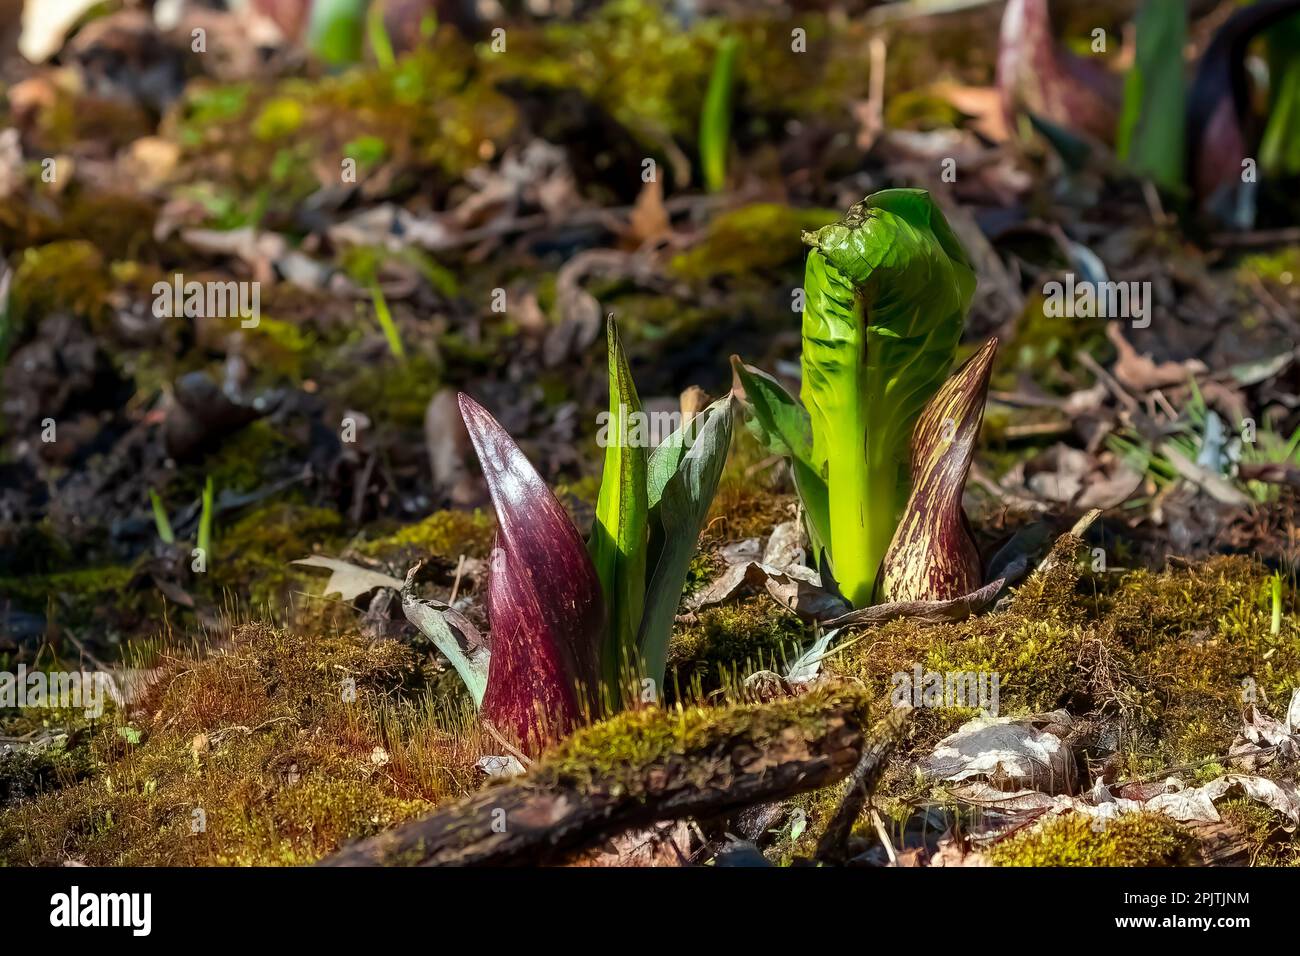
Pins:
x,y
884,737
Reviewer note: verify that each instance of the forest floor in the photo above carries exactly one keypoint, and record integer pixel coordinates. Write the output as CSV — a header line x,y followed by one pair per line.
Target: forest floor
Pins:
x,y
462,220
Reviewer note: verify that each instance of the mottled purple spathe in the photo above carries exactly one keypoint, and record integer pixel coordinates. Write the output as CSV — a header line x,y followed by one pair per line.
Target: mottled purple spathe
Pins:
x,y
544,600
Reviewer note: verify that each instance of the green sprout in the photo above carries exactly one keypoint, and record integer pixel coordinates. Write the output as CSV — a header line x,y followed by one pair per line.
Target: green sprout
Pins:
x,y
381,44
204,542
160,520
715,117
386,323
1276,627
886,291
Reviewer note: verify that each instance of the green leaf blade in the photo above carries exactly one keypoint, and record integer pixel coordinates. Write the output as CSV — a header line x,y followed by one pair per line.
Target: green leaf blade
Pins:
x,y
685,471
618,538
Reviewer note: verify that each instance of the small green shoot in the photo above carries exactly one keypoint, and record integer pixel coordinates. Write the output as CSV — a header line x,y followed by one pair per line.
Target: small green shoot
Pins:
x,y
381,44
204,542
160,520
1276,627
715,118
386,323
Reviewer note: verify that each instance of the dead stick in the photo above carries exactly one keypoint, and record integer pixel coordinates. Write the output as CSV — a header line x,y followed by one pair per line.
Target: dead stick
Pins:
x,y
638,768
885,736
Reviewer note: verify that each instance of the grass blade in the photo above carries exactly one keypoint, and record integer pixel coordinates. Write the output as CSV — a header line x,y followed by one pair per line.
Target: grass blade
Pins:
x,y
715,117
160,520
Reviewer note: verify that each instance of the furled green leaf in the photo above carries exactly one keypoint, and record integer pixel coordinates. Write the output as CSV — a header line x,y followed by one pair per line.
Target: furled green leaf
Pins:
x,y
933,556
683,477
1151,130
886,292
781,425
618,537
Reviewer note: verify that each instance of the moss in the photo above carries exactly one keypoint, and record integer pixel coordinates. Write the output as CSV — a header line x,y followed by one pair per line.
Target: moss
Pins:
x,y
258,755
280,347
252,556
617,751
390,392
28,772
445,534
1045,347
1270,837
279,118
239,463
1282,266
78,597
1132,839
1166,655
751,240
730,641
69,275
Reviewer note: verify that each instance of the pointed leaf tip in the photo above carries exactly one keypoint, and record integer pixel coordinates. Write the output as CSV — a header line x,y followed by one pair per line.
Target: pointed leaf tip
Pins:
x,y
932,556
544,599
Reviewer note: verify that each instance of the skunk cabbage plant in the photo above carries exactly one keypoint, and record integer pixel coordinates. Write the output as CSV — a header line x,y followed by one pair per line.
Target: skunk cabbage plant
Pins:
x,y
933,554
580,630
886,293
544,599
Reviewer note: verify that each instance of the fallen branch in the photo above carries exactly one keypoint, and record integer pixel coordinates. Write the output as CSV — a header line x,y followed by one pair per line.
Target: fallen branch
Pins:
x,y
885,736
631,771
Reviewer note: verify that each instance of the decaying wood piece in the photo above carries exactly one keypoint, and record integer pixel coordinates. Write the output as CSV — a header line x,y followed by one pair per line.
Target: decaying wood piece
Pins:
x,y
884,737
635,769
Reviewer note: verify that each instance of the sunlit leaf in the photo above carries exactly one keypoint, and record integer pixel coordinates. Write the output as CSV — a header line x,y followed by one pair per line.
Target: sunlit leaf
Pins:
x,y
453,635
683,478
1151,130
781,425
886,292
618,536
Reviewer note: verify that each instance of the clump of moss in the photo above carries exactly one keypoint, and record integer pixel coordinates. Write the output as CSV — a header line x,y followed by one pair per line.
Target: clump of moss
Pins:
x,y
1201,646
445,534
617,751
731,640
272,751
1271,839
252,557
753,239
74,597
393,393
1168,656
30,771
67,276
1045,346
1132,839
